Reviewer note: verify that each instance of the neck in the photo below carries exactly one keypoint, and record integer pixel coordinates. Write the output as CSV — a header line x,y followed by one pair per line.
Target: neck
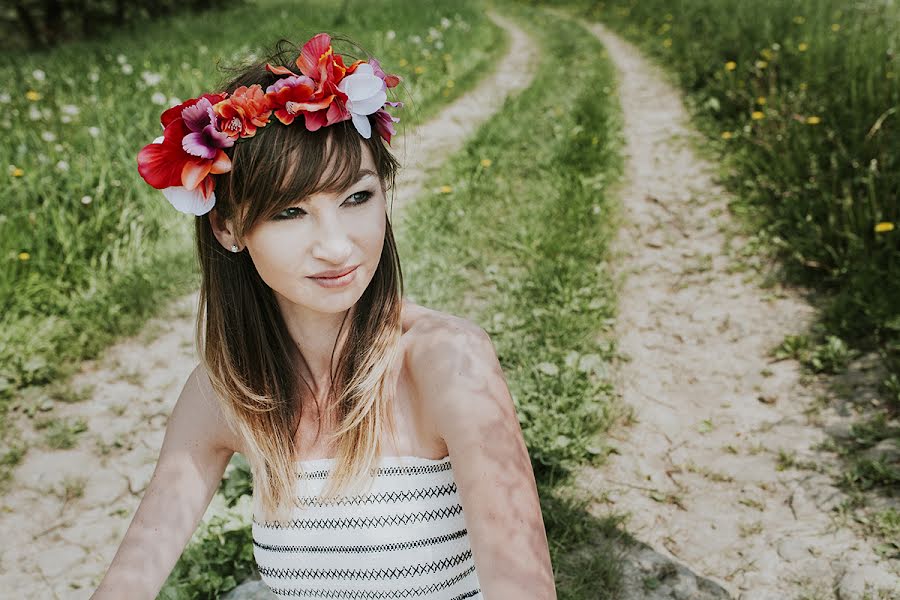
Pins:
x,y
315,335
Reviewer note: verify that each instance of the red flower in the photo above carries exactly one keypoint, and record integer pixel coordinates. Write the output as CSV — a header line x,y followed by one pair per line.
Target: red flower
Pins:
x,y
165,163
240,114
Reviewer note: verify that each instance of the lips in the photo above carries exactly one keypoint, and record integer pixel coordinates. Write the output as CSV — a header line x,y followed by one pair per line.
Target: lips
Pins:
x,y
333,274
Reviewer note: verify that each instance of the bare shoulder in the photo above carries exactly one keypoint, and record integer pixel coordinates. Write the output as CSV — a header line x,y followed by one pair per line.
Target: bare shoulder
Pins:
x,y
200,402
440,343
445,351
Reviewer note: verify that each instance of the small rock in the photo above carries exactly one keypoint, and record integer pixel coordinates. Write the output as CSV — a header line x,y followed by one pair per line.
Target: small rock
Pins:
x,y
865,581
792,549
253,589
886,450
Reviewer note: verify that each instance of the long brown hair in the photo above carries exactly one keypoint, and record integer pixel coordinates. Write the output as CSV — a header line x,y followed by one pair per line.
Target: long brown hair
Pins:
x,y
242,339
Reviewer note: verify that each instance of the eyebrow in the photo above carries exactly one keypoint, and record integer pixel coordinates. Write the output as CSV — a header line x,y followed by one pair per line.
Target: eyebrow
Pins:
x,y
359,177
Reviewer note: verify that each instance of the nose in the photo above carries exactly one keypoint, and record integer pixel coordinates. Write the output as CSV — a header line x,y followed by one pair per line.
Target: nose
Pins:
x,y
332,243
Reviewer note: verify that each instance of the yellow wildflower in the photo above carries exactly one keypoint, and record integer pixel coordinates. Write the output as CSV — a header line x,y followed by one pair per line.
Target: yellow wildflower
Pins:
x,y
17,172
766,53
446,189
761,100
24,256
835,26
667,43
726,135
485,162
761,64
448,57
32,95
450,83
802,46
884,226
803,85
799,20
813,120
730,65
419,69
403,62
595,140
757,115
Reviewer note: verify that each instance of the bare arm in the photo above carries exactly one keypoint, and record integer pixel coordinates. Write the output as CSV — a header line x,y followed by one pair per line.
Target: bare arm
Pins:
x,y
195,451
459,378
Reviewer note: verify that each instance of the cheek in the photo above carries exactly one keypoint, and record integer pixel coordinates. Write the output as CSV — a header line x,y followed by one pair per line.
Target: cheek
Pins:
x,y
275,253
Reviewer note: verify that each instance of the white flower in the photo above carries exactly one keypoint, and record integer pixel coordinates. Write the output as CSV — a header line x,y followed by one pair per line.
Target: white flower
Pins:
x,y
33,113
93,76
445,22
69,109
48,136
86,199
202,49
416,39
439,44
39,75
185,66
66,119
58,147
151,78
62,165
433,33
365,95
122,59
42,158
158,98
127,69
5,98
173,101
391,34
94,131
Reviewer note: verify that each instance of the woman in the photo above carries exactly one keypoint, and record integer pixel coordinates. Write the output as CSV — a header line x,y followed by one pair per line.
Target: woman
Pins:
x,y
386,453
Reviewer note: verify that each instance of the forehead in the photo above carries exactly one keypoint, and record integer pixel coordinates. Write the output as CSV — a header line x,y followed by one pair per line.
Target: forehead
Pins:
x,y
336,168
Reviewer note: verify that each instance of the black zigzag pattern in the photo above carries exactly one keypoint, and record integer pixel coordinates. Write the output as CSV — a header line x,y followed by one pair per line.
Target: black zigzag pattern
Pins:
x,y
378,521
403,495
373,595
366,548
367,574
393,470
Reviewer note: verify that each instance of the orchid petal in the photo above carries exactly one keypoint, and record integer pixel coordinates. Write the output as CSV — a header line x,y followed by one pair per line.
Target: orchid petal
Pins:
x,y
196,117
194,172
362,125
195,145
367,106
187,201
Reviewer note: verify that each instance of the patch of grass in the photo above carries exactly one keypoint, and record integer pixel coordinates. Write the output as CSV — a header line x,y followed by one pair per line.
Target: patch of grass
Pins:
x,y
9,459
61,434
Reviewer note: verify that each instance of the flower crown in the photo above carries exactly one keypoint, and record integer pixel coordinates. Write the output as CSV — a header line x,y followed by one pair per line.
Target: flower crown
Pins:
x,y
183,161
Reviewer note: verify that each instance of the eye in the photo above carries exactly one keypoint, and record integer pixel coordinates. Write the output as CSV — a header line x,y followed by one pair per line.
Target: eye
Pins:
x,y
354,199
365,195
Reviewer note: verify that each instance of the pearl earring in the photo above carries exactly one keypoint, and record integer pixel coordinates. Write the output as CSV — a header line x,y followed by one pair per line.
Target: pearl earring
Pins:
x,y
234,248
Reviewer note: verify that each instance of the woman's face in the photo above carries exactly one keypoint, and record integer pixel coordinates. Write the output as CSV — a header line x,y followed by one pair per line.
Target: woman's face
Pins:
x,y
324,232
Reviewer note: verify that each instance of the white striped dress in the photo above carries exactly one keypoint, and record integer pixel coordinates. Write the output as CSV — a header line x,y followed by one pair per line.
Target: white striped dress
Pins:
x,y
406,538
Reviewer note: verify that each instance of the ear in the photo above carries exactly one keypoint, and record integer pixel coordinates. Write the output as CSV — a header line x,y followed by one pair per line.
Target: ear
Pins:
x,y
223,230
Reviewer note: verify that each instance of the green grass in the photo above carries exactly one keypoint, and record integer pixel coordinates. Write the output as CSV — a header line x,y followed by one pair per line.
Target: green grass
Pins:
x,y
88,251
